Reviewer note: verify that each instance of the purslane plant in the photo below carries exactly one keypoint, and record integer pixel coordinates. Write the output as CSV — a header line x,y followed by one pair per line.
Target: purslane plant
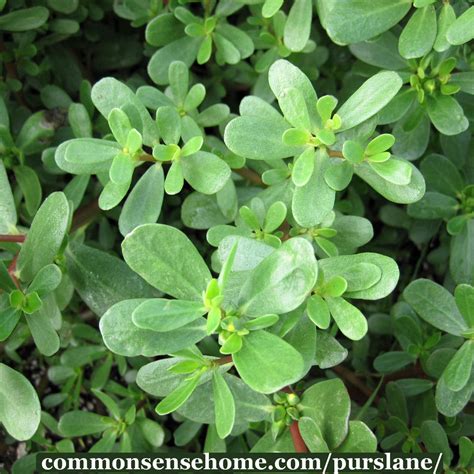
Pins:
x,y
215,233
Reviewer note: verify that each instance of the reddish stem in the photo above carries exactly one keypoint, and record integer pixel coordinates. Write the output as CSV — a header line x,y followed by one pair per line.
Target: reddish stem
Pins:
x,y
298,441
11,271
12,238
224,360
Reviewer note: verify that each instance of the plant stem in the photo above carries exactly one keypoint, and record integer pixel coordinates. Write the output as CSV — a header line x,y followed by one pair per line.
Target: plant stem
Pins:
x,y
224,360
298,441
85,214
250,175
12,238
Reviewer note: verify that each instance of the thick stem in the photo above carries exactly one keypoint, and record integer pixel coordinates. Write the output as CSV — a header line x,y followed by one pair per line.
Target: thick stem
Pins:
x,y
298,441
250,175
85,214
224,360
335,154
12,238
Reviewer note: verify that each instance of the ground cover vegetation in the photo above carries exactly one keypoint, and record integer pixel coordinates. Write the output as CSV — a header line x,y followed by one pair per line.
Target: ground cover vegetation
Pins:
x,y
236,226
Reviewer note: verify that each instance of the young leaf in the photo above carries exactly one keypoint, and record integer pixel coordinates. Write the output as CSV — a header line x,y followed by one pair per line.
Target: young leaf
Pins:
x,y
349,319
45,236
179,395
225,405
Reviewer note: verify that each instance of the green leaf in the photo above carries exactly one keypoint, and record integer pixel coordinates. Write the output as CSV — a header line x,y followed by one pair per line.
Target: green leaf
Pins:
x,y
30,186
464,296
123,337
102,279
360,439
362,276
83,423
46,280
435,440
418,35
45,236
282,281
318,311
169,123
178,396
358,20
381,51
392,361
86,155
225,405
42,327
446,114
274,217
109,93
283,75
380,144
460,31
435,305
339,174
303,167
352,151
372,96
457,373
298,25
20,409
400,194
433,206
205,172
345,264
349,319
293,106
9,318
172,255
259,137
446,18
24,19
163,29
267,363
270,7
120,125
80,122
312,202
450,403
165,315
442,175
395,171
312,436
8,216
121,169
461,261
329,405
143,204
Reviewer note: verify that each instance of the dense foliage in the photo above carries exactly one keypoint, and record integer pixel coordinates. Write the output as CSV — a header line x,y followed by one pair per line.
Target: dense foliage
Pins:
x,y
236,225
